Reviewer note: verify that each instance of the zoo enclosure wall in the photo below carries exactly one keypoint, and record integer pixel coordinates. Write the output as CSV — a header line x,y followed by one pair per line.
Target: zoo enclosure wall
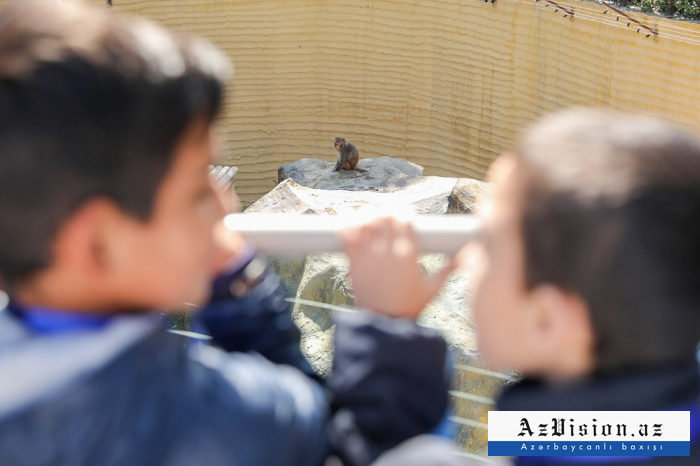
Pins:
x,y
447,84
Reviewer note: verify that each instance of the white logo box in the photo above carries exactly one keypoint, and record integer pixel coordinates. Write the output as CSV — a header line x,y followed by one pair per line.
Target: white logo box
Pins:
x,y
669,426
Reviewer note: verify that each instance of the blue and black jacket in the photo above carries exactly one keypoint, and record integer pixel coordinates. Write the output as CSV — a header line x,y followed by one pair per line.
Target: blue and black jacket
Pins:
x,y
672,387
120,390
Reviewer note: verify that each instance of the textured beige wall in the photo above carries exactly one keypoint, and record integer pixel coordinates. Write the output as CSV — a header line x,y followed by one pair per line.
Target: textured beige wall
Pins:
x,y
444,83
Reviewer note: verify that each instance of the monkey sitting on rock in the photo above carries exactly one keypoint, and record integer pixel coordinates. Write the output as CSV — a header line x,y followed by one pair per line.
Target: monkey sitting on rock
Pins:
x,y
348,156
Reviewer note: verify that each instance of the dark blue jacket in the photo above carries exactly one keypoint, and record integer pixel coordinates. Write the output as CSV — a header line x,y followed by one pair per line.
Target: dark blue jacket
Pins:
x,y
126,392
672,387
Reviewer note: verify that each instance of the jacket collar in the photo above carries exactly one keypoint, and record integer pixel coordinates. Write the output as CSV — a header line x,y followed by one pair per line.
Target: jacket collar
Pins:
x,y
633,390
37,365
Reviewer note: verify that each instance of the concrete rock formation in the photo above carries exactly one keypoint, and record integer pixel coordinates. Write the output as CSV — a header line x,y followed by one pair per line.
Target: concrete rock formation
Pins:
x,y
310,186
467,195
384,174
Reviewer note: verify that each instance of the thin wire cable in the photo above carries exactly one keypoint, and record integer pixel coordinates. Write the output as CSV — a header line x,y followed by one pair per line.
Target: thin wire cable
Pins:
x,y
468,422
329,307
599,11
587,17
188,334
678,39
692,39
685,33
660,34
646,17
479,370
666,31
649,22
592,11
652,24
462,367
475,398
643,20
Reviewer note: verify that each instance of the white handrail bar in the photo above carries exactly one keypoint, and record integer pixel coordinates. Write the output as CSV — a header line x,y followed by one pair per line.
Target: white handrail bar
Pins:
x,y
284,234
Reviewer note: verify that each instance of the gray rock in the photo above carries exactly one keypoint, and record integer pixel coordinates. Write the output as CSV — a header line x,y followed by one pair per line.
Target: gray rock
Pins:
x,y
283,199
384,174
305,172
426,194
324,280
467,195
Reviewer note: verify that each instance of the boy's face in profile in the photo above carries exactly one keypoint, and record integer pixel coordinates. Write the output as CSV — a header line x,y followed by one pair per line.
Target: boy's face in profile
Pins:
x,y
172,258
500,291
540,331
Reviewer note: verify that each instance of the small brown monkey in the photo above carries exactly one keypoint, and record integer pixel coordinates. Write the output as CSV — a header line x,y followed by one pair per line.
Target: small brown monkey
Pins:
x,y
348,156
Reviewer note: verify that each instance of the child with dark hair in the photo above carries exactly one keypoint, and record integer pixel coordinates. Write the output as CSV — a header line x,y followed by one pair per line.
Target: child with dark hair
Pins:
x,y
588,275
107,215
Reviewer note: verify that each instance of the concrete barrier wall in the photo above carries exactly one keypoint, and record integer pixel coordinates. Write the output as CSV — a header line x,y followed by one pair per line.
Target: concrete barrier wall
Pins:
x,y
443,83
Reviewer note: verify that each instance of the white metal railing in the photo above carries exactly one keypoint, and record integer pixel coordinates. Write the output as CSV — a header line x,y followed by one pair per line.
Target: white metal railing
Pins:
x,y
479,370
285,234
454,393
459,420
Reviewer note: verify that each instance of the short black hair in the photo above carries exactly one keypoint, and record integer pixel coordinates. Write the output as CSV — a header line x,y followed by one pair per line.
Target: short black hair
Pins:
x,y
91,104
611,211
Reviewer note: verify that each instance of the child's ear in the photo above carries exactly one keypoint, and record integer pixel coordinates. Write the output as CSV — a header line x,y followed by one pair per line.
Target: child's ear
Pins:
x,y
85,239
561,330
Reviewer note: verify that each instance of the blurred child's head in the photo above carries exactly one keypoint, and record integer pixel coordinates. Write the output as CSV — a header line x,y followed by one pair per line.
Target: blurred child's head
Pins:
x,y
592,248
104,153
